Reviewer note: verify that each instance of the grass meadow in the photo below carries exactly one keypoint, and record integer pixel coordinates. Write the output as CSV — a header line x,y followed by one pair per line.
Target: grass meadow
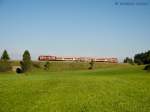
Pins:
x,y
109,88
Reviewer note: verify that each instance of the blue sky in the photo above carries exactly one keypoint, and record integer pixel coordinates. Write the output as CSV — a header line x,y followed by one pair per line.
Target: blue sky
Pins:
x,y
74,27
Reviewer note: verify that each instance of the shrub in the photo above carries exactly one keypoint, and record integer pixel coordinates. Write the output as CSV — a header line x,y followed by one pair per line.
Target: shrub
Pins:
x,y
5,66
91,64
90,68
147,67
142,58
46,65
128,60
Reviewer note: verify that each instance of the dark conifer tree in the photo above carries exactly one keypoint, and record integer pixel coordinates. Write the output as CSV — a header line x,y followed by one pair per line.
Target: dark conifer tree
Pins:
x,y
26,63
5,56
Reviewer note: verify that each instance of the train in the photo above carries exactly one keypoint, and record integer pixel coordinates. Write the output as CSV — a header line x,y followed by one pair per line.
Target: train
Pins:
x,y
81,59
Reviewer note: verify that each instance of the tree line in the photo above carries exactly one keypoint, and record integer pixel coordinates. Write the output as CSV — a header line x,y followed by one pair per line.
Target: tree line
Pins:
x,y
140,59
26,63
5,63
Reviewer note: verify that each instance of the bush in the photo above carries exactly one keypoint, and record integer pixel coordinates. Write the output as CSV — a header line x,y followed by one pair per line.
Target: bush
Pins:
x,y
142,58
90,68
128,60
46,65
91,65
147,67
5,66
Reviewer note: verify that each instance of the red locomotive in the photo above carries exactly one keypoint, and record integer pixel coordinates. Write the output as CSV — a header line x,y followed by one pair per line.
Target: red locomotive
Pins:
x,y
47,58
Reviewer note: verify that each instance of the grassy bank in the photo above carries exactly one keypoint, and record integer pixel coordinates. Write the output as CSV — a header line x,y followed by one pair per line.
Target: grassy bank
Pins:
x,y
56,66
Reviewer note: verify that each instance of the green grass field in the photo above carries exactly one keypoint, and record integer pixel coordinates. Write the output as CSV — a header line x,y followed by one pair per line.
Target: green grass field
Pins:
x,y
123,88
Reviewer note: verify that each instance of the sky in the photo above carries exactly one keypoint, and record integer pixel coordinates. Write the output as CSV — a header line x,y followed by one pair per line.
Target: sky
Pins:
x,y
96,28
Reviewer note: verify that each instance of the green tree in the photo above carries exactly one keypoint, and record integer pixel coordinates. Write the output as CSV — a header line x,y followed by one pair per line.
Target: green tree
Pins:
x,y
5,56
26,62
